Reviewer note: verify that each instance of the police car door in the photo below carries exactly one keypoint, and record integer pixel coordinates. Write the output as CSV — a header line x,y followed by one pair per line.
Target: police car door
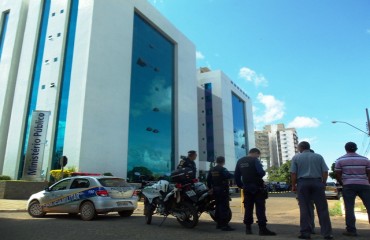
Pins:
x,y
55,196
76,194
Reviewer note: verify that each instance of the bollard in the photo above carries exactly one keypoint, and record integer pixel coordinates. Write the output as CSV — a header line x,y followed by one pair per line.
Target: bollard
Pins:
x,y
241,200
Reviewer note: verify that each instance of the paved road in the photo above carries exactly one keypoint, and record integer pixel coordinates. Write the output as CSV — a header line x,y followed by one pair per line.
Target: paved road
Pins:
x,y
282,213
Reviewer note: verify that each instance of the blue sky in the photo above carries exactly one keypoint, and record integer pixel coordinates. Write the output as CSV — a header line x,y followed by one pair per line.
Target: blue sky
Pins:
x,y
303,63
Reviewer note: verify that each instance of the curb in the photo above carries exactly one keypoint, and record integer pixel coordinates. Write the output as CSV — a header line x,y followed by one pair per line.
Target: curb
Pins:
x,y
281,192
13,210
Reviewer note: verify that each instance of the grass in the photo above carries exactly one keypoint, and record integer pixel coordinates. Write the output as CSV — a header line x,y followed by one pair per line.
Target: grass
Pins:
x,y
335,210
359,207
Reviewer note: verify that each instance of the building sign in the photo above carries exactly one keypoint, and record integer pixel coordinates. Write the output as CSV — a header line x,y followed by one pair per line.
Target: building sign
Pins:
x,y
36,144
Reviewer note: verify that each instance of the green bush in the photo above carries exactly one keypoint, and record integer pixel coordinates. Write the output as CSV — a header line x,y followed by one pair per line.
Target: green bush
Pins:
x,y
336,210
3,177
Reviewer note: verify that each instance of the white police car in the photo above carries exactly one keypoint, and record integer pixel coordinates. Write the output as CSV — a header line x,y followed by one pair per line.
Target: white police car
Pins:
x,y
86,195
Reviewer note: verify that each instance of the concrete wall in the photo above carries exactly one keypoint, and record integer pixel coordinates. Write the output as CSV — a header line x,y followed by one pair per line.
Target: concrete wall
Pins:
x,y
20,189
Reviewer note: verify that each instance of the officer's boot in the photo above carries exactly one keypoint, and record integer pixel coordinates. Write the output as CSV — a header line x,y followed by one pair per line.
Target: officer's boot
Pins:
x,y
248,229
265,232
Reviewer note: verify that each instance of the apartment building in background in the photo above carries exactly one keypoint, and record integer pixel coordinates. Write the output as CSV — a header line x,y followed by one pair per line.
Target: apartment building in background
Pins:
x,y
263,144
277,144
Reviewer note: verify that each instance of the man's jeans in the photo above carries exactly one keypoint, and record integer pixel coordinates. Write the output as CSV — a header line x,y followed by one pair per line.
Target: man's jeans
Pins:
x,y
350,191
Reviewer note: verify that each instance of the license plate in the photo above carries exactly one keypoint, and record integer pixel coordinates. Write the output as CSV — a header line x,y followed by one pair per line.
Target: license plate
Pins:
x,y
190,193
122,203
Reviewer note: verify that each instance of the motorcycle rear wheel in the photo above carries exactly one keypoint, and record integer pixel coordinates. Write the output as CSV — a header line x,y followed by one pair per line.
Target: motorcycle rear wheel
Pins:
x,y
192,217
212,212
148,211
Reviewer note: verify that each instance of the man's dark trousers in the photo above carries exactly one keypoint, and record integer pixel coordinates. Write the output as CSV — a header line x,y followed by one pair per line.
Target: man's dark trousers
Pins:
x,y
251,198
222,205
350,192
312,189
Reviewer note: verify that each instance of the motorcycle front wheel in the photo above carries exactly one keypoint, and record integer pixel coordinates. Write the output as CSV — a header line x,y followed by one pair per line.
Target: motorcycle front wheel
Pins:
x,y
148,211
191,215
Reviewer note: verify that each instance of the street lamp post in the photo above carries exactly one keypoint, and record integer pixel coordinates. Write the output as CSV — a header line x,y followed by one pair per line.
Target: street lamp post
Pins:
x,y
368,134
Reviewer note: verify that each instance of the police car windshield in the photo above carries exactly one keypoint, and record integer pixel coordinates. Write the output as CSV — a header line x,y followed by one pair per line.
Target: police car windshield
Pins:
x,y
113,182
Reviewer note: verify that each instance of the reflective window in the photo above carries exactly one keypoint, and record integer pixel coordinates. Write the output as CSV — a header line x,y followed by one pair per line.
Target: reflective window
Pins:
x,y
35,78
65,83
150,143
209,122
80,183
63,185
239,121
4,25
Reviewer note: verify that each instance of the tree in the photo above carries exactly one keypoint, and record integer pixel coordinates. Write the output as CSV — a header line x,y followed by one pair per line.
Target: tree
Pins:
x,y
332,173
280,174
136,173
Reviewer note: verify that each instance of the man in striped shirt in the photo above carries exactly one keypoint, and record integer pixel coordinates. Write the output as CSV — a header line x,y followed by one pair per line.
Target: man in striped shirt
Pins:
x,y
353,171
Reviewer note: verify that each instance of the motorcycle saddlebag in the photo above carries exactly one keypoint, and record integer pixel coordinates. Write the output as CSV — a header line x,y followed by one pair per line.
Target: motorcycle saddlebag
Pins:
x,y
182,175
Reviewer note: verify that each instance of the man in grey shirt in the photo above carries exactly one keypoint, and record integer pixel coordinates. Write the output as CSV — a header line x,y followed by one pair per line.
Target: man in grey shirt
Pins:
x,y
309,174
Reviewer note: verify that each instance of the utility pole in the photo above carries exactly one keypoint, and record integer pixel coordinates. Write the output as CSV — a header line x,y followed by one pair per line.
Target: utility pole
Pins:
x,y
368,122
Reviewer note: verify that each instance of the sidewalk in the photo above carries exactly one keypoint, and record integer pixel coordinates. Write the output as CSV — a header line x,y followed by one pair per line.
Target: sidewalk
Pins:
x,y
8,205
282,214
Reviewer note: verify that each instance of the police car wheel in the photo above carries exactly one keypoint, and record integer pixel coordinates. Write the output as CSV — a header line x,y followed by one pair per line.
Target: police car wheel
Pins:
x,y
126,213
35,209
87,211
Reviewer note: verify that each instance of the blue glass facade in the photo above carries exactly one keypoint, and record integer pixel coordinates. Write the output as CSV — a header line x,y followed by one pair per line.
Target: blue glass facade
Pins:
x,y
239,121
35,82
3,27
151,119
65,84
209,122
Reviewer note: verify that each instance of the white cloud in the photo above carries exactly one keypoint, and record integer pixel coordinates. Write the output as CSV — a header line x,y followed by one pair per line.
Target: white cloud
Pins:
x,y
304,122
157,1
199,55
274,109
251,76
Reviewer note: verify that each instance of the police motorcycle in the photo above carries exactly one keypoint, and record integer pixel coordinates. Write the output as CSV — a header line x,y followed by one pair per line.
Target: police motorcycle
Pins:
x,y
178,200
206,201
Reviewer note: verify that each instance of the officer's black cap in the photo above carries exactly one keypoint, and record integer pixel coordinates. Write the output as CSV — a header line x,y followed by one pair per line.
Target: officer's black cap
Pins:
x,y
191,152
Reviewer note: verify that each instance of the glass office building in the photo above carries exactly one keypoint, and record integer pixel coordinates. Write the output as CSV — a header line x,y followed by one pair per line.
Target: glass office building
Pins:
x,y
225,119
109,75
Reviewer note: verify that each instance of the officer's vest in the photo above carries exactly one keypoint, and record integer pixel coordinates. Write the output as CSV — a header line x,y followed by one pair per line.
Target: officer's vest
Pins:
x,y
187,163
249,172
218,180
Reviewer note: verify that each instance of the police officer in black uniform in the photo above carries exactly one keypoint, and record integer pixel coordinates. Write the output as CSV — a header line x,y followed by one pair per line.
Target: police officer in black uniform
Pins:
x,y
248,176
188,162
218,179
